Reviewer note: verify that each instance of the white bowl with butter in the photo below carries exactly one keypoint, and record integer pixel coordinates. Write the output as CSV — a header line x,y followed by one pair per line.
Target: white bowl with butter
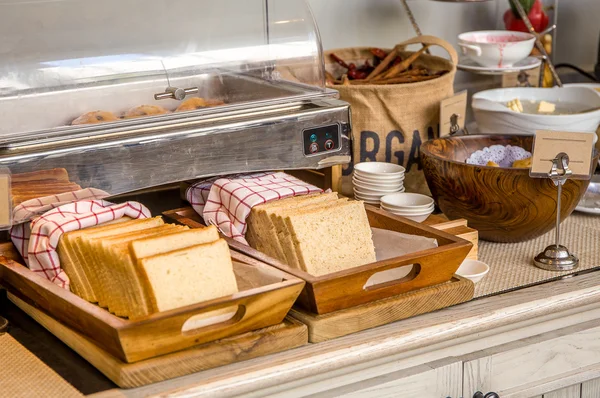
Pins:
x,y
574,109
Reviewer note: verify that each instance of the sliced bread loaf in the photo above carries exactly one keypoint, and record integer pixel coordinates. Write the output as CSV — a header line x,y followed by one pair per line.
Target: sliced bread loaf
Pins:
x,y
266,230
136,293
188,276
257,224
284,236
254,233
112,278
86,256
332,239
71,262
142,248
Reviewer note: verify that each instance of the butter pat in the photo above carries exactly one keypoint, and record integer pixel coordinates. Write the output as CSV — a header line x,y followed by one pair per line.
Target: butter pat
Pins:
x,y
515,105
546,107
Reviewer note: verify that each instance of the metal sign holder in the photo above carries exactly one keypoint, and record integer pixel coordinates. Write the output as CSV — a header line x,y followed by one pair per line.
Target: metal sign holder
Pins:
x,y
557,257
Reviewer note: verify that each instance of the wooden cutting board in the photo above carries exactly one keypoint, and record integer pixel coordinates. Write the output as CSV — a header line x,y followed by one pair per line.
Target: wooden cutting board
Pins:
x,y
366,316
458,228
284,336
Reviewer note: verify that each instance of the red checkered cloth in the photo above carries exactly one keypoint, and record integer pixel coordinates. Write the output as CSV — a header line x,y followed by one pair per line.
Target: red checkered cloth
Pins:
x,y
226,202
37,241
29,209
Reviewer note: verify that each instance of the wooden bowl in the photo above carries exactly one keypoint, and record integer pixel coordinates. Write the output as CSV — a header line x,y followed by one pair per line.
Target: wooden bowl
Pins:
x,y
503,204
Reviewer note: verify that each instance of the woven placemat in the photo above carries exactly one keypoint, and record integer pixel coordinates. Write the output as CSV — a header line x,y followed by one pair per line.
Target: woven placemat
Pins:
x,y
511,264
22,374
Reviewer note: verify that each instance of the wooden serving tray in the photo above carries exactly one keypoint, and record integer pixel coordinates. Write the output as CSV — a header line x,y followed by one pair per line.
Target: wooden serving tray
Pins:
x,y
366,316
345,289
284,336
266,295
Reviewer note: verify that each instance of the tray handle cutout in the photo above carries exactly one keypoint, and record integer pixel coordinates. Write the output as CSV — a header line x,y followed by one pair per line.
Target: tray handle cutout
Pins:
x,y
221,317
393,276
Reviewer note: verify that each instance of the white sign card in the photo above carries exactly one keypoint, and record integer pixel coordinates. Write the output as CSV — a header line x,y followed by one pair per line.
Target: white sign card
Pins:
x,y
578,147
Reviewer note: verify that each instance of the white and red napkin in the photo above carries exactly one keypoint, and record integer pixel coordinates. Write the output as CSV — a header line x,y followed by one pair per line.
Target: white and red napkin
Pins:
x,y
34,207
226,202
37,241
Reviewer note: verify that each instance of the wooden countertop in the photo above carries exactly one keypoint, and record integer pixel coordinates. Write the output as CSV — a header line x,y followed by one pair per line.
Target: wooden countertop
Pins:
x,y
415,341
412,342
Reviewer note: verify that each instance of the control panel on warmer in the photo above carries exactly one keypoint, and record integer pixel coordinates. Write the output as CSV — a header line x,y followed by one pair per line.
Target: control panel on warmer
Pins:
x,y
321,139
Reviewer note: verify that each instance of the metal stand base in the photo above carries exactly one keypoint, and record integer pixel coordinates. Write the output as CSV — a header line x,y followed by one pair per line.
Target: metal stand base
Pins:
x,y
556,258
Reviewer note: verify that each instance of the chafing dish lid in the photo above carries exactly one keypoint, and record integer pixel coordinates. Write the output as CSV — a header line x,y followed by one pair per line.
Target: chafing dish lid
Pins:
x,y
60,59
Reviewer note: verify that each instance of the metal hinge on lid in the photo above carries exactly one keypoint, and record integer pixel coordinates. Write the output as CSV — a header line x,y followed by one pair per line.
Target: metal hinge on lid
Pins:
x,y
176,93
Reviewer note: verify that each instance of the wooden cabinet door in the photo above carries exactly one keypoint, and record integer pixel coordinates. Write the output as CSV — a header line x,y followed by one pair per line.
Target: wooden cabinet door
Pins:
x,y
590,389
537,365
568,392
439,379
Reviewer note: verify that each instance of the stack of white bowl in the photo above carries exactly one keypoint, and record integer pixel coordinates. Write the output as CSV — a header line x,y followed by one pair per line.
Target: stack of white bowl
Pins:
x,y
372,180
414,206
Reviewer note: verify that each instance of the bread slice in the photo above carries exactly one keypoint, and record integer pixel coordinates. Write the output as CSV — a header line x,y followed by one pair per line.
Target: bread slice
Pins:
x,y
51,174
69,262
284,236
257,230
264,228
188,276
136,292
77,260
332,239
94,264
112,286
142,248
277,226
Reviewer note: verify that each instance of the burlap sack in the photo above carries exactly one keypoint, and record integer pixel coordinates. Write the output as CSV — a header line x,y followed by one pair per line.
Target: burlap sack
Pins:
x,y
389,122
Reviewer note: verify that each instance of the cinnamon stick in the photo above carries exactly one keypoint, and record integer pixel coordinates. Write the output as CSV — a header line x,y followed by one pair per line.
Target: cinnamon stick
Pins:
x,y
402,66
396,80
383,64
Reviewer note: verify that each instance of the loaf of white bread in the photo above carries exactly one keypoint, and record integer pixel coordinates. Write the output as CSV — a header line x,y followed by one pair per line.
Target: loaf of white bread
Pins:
x,y
138,267
318,234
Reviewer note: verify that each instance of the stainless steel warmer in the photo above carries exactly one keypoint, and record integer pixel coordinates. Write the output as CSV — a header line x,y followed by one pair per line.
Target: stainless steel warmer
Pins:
x,y
60,59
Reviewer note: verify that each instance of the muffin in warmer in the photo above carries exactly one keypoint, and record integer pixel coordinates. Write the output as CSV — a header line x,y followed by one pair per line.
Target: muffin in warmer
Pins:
x,y
95,117
145,110
191,104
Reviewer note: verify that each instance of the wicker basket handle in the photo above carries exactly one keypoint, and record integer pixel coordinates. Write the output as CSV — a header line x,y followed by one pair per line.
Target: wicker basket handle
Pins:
x,y
436,41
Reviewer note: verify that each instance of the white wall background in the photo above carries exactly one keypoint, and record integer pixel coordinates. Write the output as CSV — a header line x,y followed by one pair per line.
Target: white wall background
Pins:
x,y
383,23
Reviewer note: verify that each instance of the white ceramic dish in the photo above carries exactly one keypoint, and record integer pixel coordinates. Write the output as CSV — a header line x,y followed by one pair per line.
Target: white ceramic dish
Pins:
x,y
496,48
467,64
408,211
493,117
370,195
407,201
367,197
377,185
593,86
377,180
371,191
379,169
473,270
417,218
